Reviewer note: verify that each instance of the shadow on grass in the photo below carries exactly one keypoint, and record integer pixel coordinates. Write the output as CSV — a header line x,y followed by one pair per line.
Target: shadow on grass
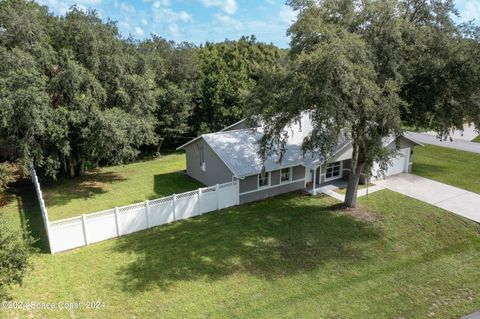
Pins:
x,y
30,216
268,239
58,193
174,183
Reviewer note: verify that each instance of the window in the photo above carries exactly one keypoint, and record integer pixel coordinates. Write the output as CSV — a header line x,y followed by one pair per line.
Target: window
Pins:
x,y
202,158
333,170
285,175
264,180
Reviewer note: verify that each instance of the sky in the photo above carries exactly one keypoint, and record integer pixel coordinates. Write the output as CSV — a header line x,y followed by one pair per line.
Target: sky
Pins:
x,y
199,21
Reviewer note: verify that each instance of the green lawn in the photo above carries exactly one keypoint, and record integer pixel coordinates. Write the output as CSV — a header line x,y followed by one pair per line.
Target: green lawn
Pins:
x,y
446,165
290,256
476,139
117,186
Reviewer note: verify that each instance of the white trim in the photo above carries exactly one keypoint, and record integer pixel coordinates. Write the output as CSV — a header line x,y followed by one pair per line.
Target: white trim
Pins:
x,y
232,125
339,172
270,187
269,181
290,175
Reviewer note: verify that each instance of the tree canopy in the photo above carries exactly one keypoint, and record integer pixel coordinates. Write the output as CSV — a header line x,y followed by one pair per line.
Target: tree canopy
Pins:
x,y
74,94
360,68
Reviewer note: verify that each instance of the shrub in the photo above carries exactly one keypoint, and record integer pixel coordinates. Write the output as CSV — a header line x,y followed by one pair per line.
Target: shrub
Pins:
x,y
7,175
15,250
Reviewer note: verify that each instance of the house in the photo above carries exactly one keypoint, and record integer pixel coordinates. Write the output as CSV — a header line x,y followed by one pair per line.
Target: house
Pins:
x,y
232,154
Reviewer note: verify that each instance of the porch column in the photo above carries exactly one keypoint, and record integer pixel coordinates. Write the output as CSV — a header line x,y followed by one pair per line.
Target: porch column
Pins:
x,y
315,181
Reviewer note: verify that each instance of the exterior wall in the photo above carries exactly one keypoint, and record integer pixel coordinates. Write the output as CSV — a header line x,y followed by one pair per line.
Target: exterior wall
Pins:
x,y
270,192
249,185
275,178
404,143
216,171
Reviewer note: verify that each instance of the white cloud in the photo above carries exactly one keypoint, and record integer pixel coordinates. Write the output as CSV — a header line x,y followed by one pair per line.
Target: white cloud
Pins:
x,y
169,15
287,15
174,30
229,22
139,31
228,6
471,11
127,7
61,7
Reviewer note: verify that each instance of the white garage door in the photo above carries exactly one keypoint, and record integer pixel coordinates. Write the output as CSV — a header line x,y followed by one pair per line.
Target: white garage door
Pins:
x,y
398,164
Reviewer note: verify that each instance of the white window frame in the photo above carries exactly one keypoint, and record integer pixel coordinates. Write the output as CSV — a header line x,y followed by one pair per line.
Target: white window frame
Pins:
x,y
269,180
202,158
327,179
290,177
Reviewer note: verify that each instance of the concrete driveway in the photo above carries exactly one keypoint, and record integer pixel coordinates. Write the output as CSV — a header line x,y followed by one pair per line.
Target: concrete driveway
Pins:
x,y
453,199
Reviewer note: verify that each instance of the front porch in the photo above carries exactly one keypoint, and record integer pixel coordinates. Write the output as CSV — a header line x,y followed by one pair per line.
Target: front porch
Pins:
x,y
327,186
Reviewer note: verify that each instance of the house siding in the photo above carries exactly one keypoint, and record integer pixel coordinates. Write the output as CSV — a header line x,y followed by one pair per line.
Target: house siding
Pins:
x,y
249,185
269,192
404,143
275,178
216,170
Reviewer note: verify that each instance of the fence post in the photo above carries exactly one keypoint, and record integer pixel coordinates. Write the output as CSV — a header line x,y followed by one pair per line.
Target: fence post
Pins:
x,y
84,223
174,204
116,222
199,196
218,196
147,211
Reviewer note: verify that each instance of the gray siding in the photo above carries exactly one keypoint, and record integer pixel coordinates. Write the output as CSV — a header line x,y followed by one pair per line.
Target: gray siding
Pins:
x,y
216,170
249,183
275,178
298,172
269,192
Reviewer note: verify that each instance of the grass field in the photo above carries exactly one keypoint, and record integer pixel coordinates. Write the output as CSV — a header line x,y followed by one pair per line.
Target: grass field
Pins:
x,y
476,139
446,165
117,186
291,256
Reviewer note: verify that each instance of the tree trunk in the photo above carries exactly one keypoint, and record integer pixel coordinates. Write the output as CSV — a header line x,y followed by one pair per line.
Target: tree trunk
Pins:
x,y
352,186
71,167
159,145
81,167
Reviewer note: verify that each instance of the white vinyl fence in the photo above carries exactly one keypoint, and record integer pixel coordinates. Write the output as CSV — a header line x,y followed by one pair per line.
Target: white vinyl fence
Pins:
x,y
87,229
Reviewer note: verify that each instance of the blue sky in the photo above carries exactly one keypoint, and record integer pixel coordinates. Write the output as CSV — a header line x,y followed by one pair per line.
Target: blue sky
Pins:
x,y
198,21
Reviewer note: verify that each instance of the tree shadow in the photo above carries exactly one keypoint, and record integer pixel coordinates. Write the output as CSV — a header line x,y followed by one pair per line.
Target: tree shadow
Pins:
x,y
174,183
269,239
31,221
64,190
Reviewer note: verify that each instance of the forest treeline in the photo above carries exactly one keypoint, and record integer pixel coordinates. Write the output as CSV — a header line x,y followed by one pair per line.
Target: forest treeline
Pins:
x,y
75,94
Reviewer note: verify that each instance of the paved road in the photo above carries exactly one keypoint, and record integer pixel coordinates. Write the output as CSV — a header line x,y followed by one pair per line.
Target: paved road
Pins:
x,y
456,144
453,199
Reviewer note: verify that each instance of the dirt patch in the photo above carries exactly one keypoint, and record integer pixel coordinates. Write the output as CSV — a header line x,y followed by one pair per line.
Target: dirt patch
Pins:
x,y
360,213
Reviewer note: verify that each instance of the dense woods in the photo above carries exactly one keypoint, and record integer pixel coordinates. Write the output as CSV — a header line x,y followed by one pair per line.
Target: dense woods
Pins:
x,y
74,94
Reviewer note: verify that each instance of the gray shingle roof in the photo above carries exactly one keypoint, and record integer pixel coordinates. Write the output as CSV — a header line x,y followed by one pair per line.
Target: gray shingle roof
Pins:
x,y
239,151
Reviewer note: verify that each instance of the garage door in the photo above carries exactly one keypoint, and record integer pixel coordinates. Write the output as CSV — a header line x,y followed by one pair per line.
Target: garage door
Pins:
x,y
398,164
